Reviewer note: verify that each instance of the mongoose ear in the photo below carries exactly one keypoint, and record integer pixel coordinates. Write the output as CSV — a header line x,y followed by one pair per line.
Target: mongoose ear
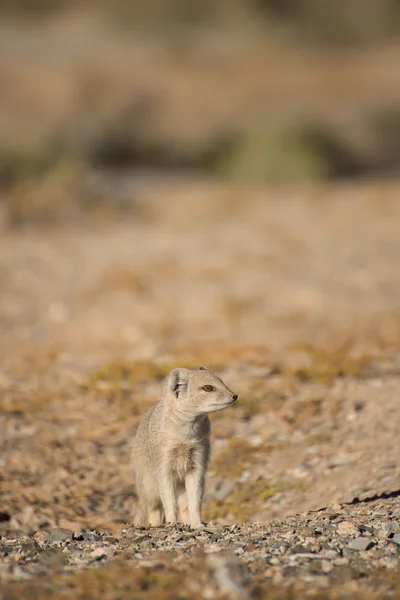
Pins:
x,y
203,368
177,382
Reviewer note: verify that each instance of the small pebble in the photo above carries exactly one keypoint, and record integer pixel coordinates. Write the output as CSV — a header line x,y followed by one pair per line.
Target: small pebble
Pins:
x,y
99,553
326,566
383,534
360,543
58,536
347,528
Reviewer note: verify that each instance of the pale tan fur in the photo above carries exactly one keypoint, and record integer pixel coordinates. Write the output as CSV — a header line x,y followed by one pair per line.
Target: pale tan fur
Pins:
x,y
172,447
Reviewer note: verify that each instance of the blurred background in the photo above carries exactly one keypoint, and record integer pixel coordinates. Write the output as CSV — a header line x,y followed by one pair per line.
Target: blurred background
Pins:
x,y
242,90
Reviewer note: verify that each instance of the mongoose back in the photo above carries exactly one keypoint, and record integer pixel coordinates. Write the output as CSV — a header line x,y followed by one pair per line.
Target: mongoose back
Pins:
x,y
172,447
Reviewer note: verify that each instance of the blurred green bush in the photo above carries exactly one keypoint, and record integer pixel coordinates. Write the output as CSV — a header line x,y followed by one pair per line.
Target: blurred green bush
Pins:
x,y
315,21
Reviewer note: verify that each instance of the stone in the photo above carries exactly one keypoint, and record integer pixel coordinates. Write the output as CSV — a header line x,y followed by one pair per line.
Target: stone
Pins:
x,y
330,554
346,528
360,543
383,534
306,531
218,531
341,561
249,547
41,536
99,554
299,549
59,536
326,566
90,536
396,539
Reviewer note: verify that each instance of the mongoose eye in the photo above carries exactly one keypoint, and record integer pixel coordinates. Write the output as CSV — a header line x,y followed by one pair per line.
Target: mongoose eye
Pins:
x,y
208,388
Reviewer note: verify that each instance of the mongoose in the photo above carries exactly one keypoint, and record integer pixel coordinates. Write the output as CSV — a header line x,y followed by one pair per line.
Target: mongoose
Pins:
x,y
172,447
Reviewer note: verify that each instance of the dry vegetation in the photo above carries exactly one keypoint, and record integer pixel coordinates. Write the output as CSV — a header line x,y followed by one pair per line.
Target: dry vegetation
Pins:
x,y
180,87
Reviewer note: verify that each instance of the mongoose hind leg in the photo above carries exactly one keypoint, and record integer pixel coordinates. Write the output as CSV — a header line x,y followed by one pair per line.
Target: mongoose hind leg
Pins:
x,y
168,496
156,517
141,516
183,508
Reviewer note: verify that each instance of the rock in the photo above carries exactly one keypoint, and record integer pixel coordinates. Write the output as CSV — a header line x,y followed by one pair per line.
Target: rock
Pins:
x,y
383,534
342,560
216,531
99,554
326,566
299,549
28,547
41,536
249,547
277,545
346,528
60,536
396,539
360,543
396,514
90,536
306,531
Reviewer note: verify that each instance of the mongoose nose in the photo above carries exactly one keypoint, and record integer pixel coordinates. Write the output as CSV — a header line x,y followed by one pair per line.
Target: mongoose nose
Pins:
x,y
234,397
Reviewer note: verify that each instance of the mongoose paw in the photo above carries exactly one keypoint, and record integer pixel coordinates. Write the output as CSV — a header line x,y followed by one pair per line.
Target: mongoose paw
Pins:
x,y
198,525
171,523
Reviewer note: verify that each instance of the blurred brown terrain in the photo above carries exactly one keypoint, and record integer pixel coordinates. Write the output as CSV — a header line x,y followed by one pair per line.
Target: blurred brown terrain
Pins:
x,y
188,183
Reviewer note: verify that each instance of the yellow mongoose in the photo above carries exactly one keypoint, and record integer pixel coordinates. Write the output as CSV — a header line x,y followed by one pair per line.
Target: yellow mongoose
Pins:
x,y
172,446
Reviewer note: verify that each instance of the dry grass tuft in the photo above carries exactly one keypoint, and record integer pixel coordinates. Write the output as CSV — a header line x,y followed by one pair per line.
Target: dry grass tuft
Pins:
x,y
247,499
325,364
237,456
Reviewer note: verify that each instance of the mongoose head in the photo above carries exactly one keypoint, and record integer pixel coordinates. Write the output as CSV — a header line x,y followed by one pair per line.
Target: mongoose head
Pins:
x,y
198,391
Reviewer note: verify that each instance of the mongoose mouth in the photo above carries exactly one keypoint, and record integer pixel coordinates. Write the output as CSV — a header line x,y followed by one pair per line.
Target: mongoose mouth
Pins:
x,y
232,400
220,406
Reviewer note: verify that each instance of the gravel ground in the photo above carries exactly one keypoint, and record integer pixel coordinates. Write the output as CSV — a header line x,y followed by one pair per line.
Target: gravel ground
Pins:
x,y
342,549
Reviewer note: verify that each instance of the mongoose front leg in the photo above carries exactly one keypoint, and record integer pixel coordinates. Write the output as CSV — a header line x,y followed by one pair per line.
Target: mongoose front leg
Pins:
x,y
168,496
195,488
